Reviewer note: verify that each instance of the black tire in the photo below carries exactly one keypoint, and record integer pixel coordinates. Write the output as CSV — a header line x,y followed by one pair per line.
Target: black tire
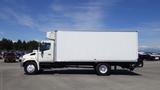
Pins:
x,y
40,71
140,64
30,64
99,69
6,61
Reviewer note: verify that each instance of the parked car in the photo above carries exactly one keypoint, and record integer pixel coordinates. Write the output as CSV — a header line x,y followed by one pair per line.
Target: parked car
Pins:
x,y
144,56
19,54
155,56
149,56
10,57
1,55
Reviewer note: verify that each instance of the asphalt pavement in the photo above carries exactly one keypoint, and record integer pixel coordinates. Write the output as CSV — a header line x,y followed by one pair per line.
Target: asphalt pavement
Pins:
x,y
12,77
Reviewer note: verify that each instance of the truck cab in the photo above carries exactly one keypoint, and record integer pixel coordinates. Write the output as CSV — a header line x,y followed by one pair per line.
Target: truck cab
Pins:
x,y
45,53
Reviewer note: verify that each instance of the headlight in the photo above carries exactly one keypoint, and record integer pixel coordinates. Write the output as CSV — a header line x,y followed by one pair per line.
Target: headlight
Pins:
x,y
22,59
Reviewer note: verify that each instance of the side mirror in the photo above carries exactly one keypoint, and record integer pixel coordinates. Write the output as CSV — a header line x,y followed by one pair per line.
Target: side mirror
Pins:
x,y
41,47
41,50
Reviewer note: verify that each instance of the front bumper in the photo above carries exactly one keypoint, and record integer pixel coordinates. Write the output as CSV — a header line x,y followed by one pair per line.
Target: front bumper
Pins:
x,y
21,64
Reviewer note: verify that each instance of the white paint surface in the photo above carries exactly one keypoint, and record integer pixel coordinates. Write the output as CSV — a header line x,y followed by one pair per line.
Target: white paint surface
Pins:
x,y
96,46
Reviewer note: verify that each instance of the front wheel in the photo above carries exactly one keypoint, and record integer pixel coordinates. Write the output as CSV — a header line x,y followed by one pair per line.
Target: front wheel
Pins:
x,y
30,68
103,69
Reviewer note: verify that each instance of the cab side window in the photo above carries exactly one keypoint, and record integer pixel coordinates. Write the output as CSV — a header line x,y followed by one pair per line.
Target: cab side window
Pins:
x,y
45,46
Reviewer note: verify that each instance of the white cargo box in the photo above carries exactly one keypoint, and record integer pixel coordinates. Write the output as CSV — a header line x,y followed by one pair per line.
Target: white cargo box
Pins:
x,y
79,46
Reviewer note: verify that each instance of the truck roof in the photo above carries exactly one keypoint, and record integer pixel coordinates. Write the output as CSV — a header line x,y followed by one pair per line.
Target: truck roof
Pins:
x,y
91,31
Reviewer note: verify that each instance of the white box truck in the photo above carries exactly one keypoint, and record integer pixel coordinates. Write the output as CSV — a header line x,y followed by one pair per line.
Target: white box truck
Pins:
x,y
100,50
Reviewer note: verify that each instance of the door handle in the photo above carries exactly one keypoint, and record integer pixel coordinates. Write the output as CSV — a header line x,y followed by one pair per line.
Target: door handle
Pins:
x,y
49,54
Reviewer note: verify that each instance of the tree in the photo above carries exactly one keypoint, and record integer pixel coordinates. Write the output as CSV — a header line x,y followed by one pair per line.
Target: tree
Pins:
x,y
24,46
1,45
6,44
18,45
31,45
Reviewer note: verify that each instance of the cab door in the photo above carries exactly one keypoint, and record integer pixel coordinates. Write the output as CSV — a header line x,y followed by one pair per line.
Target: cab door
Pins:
x,y
46,51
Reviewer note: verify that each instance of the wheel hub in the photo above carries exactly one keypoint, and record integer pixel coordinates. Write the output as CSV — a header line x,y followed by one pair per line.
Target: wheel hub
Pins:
x,y
103,69
30,68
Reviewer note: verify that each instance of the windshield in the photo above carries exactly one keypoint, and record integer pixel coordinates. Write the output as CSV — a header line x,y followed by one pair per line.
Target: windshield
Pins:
x,y
44,46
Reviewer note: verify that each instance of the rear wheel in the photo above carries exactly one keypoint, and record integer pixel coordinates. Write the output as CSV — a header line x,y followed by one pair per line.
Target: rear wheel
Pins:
x,y
140,64
6,61
30,68
103,69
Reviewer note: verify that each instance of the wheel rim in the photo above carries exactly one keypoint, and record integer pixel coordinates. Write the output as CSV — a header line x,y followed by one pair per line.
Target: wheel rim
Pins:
x,y
103,69
30,68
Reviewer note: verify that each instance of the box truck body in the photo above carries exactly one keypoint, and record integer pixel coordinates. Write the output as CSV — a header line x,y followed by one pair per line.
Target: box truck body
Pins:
x,y
96,46
98,49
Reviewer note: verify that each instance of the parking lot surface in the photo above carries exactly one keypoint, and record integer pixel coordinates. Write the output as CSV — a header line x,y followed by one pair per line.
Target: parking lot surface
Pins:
x,y
12,77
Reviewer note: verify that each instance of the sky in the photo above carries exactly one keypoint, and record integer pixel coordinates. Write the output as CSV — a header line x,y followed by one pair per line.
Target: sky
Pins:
x,y
31,19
